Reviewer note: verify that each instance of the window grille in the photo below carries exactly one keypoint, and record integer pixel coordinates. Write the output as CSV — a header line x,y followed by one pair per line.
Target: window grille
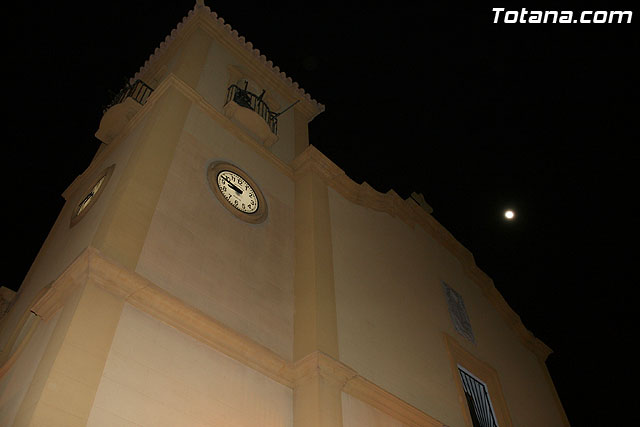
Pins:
x,y
478,400
138,90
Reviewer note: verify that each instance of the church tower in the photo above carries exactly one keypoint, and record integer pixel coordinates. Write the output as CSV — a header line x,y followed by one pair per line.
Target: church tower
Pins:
x,y
211,268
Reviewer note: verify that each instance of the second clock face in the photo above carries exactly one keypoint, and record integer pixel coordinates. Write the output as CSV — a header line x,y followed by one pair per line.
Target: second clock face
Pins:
x,y
237,191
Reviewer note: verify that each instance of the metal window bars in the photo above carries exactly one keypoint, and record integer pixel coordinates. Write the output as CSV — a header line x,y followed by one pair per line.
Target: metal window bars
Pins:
x,y
247,99
478,399
138,90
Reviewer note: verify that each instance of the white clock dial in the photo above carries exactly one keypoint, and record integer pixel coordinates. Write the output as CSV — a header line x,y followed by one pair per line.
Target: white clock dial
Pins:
x,y
85,202
91,196
237,191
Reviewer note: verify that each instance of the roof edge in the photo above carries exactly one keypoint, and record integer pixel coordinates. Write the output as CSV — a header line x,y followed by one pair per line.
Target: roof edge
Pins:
x,y
200,10
413,215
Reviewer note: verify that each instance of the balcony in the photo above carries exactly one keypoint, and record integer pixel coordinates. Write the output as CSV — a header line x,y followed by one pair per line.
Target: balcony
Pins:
x,y
139,91
252,113
123,107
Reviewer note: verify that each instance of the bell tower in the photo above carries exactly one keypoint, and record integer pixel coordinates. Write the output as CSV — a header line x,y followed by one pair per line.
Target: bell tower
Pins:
x,y
211,267
189,203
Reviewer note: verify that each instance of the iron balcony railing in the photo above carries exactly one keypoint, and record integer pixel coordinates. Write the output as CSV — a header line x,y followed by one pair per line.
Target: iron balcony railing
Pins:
x,y
139,91
250,100
478,400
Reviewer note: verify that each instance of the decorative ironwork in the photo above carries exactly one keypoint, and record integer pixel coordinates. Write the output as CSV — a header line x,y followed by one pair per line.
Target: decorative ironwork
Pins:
x,y
478,401
247,99
139,91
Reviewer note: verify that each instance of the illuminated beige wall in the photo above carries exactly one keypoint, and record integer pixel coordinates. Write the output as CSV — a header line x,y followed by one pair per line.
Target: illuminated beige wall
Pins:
x,y
14,385
392,314
240,274
157,376
356,413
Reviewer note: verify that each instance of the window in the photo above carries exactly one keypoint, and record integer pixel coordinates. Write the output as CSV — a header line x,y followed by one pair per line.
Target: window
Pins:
x,y
479,391
478,400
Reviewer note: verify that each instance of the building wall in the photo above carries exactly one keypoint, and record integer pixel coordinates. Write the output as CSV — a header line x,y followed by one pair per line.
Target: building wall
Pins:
x,y
392,313
240,274
14,385
157,376
356,413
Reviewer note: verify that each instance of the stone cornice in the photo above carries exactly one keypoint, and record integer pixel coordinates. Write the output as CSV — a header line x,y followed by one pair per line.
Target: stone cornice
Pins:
x,y
57,294
92,267
321,364
408,211
318,363
362,389
210,21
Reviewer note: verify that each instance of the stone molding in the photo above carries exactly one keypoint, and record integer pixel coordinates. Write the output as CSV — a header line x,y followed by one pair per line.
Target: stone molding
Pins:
x,y
92,267
413,215
9,357
321,364
362,389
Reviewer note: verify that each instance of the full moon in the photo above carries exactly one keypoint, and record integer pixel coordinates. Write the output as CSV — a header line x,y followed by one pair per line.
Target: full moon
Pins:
x,y
509,214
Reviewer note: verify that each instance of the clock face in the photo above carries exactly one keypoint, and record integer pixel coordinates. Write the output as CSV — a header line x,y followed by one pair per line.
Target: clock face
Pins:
x,y
237,192
91,196
87,200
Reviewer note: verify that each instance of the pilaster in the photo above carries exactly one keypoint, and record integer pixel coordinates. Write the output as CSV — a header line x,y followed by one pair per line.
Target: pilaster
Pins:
x,y
315,321
317,396
67,378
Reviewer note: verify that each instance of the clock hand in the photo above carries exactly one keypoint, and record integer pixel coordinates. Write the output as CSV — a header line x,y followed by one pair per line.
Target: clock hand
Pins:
x,y
239,191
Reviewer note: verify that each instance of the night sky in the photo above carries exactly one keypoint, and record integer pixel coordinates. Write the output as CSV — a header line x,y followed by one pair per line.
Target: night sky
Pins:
x,y
477,116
